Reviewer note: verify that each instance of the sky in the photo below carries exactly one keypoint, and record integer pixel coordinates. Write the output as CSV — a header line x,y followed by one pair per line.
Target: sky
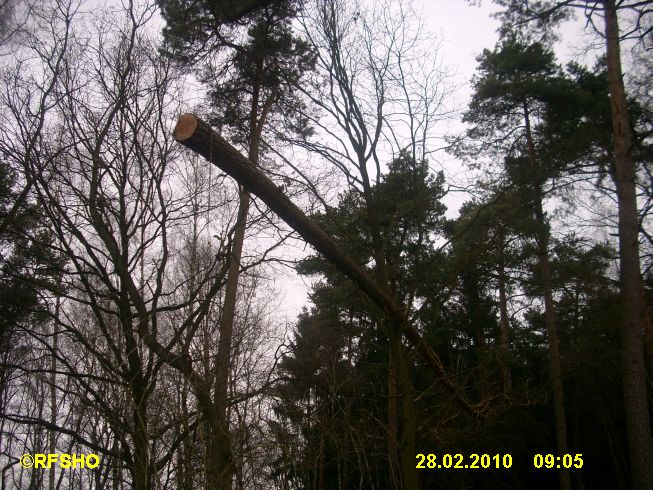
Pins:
x,y
468,29
459,49
465,30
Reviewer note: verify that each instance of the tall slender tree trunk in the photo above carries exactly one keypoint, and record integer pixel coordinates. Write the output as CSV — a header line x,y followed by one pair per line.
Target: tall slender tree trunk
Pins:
x,y
223,361
542,239
401,437
638,423
401,401
223,442
116,470
407,429
185,453
647,322
52,448
393,428
142,470
480,345
142,473
321,465
401,416
346,454
555,364
504,326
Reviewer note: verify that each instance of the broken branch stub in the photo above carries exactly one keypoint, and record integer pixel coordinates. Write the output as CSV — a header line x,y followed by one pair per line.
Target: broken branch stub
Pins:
x,y
198,136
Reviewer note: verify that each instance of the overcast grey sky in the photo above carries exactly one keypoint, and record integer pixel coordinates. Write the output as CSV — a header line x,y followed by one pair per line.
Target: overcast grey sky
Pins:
x,y
465,30
468,29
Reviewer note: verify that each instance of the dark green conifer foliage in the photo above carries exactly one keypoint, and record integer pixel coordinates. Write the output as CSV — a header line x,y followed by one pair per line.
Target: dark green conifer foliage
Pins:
x,y
28,266
517,85
618,20
487,241
194,29
262,74
249,58
527,110
340,355
587,314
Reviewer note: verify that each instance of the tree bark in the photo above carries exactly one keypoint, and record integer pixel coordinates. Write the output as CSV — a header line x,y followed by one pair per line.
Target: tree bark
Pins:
x,y
638,424
225,459
53,387
542,238
199,137
647,322
504,345
223,361
141,468
555,365
407,428
393,429
401,416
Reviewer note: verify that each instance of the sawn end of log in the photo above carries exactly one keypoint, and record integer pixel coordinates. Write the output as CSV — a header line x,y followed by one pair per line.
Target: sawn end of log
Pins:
x,y
199,137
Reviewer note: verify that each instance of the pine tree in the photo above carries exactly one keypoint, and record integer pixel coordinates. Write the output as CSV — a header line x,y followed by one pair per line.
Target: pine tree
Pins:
x,y
538,18
27,267
410,215
252,80
513,91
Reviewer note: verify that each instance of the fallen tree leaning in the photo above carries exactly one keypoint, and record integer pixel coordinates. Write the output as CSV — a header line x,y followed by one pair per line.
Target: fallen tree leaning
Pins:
x,y
198,136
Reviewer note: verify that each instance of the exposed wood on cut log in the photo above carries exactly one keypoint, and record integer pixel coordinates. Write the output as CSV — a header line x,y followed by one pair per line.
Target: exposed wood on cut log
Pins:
x,y
198,136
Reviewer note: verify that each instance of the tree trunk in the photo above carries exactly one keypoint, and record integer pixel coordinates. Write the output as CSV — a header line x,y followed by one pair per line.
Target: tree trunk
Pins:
x,y
634,373
225,462
542,238
647,322
142,473
407,416
53,388
401,417
554,359
393,429
199,137
504,345
321,465
223,360
480,346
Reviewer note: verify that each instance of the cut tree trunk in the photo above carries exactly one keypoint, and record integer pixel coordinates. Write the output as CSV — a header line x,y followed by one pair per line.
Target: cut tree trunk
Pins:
x,y
199,137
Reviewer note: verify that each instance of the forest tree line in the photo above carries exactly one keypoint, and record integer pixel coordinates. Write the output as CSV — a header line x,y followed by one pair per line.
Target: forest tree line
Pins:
x,y
138,306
